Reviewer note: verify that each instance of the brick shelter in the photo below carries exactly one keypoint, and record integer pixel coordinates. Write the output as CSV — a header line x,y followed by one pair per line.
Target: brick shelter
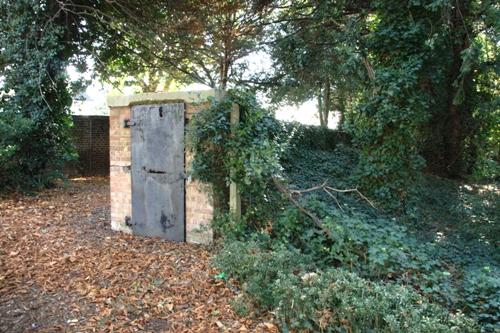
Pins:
x,y
197,204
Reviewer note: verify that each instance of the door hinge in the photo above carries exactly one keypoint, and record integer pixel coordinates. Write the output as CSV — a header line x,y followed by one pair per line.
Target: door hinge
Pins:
x,y
128,221
128,123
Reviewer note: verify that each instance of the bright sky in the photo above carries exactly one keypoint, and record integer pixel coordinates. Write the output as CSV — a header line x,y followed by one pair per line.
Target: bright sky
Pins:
x,y
93,101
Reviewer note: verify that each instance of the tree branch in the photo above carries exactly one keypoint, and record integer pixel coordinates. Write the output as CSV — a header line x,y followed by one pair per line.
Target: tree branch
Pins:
x,y
301,208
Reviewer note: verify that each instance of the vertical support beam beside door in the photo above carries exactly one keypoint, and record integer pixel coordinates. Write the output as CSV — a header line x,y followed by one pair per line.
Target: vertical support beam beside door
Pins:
x,y
234,193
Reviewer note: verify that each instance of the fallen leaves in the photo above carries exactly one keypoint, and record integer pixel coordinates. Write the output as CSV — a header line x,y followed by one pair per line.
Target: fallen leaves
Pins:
x,y
63,269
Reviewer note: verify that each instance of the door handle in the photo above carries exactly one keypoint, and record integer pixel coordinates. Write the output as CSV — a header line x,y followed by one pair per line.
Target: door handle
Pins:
x,y
153,171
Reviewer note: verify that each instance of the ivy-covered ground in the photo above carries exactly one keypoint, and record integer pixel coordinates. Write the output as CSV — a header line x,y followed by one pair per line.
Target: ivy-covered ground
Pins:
x,y
441,249
450,230
63,270
321,256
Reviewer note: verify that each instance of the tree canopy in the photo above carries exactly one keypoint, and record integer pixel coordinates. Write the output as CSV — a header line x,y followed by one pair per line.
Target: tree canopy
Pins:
x,y
194,41
415,82
316,55
422,100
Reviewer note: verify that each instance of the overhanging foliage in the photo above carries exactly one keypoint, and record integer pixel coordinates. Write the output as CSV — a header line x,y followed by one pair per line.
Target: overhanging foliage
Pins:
x,y
34,97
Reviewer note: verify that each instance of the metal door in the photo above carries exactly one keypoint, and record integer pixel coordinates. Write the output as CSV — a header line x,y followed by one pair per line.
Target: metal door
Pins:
x,y
158,170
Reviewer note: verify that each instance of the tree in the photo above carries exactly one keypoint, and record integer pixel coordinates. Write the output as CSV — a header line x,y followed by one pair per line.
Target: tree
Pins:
x,y
429,90
36,46
426,65
130,71
192,41
466,94
315,55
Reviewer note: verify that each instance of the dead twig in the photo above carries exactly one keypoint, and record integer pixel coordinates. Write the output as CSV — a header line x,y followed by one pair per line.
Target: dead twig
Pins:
x,y
355,190
328,189
288,193
314,188
334,198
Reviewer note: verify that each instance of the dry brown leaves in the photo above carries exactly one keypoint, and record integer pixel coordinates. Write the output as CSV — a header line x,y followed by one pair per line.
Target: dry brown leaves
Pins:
x,y
63,270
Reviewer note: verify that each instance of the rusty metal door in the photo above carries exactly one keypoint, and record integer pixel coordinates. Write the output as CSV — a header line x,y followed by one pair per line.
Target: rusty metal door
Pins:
x,y
158,170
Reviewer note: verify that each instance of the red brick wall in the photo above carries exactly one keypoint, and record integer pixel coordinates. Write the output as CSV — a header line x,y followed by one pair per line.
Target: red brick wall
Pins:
x,y
90,137
120,178
199,207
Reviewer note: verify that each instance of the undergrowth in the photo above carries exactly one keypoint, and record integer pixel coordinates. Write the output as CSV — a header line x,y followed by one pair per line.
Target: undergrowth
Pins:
x,y
304,297
433,267
444,247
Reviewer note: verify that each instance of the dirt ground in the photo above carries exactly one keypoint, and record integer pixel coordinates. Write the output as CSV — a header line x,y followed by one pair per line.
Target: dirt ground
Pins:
x,y
62,269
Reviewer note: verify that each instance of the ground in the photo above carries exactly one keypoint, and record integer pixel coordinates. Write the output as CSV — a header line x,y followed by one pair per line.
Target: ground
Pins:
x,y
63,269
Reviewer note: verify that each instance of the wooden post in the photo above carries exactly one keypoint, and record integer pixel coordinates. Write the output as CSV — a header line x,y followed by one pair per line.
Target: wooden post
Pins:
x,y
234,193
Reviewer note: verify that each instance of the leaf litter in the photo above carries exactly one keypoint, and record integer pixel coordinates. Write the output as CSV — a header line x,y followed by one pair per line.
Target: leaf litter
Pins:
x,y
62,269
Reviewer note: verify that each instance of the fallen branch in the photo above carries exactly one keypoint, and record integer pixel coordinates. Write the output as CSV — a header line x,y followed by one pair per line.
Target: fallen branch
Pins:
x,y
314,188
328,189
288,193
334,198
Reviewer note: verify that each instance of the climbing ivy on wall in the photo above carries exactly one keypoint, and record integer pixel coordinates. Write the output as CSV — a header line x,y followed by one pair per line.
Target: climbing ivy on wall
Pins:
x,y
249,156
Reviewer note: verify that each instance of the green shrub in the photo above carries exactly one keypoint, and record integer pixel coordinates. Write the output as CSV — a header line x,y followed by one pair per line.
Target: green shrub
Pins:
x,y
407,250
257,269
313,137
334,300
341,301
378,250
32,152
375,248
249,157
382,249
35,98
241,305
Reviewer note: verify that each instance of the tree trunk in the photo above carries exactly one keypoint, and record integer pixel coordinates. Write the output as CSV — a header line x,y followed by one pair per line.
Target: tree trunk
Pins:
x,y
457,111
320,107
224,73
341,109
324,103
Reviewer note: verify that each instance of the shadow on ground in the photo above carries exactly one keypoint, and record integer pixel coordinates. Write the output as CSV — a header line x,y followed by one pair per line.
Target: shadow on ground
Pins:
x,y
63,269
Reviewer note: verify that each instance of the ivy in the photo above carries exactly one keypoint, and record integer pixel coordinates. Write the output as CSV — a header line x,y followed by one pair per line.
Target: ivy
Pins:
x,y
430,100
305,297
249,156
34,99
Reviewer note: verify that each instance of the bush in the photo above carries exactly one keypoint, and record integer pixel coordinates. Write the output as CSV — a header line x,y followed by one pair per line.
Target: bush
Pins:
x,y
447,231
373,247
35,98
383,249
249,157
257,269
313,137
32,153
306,299
368,248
